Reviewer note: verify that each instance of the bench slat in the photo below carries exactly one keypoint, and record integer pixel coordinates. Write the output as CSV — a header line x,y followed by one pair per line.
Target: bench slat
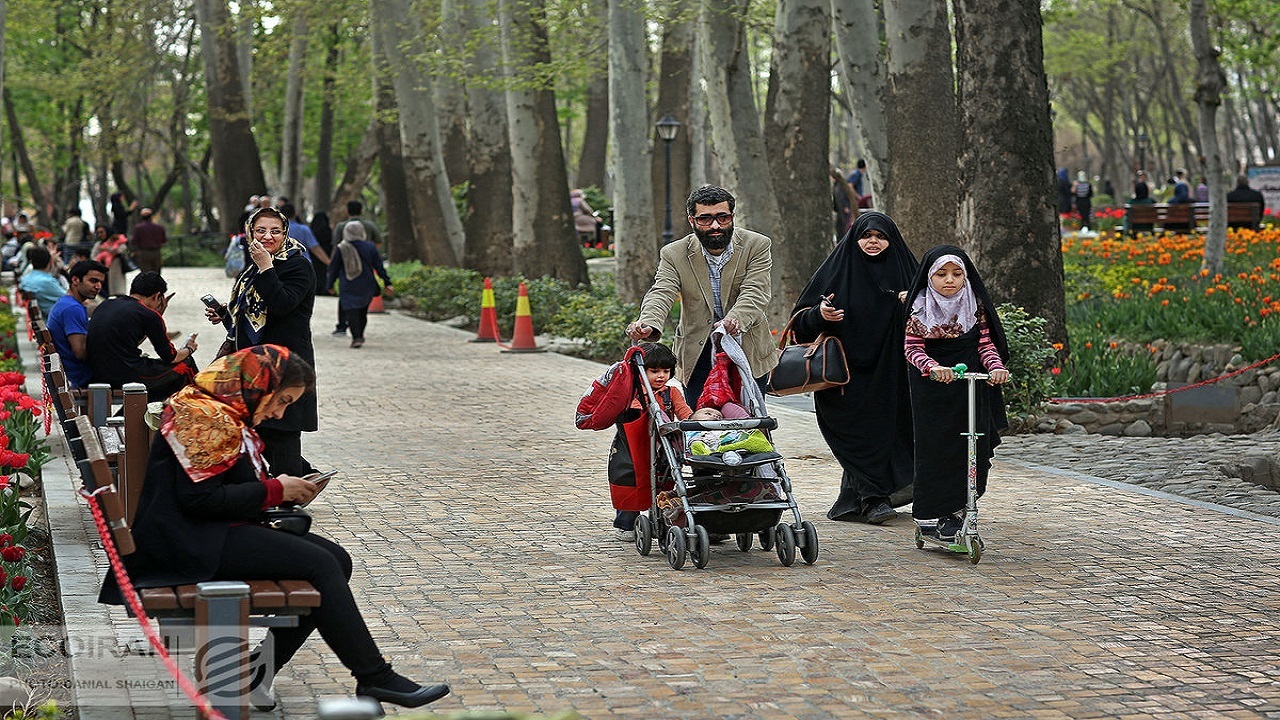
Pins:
x,y
162,598
301,593
264,594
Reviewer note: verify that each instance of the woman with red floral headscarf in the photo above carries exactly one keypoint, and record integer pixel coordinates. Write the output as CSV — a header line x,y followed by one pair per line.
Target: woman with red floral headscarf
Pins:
x,y
199,517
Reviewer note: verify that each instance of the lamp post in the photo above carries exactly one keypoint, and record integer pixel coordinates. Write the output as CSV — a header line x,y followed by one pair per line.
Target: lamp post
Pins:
x,y
1142,151
668,128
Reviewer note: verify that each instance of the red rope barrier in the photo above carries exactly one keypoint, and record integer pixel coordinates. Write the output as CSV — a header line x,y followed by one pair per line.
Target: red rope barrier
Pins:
x,y
1162,393
203,706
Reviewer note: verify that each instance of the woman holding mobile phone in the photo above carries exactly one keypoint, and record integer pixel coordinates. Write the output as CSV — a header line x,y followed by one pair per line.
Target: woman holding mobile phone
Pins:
x,y
271,302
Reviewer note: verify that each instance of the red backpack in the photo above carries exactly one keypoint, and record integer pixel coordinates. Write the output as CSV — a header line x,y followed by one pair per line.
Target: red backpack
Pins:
x,y
609,396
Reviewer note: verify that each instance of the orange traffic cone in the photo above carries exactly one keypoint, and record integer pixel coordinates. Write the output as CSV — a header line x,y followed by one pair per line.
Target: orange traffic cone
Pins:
x,y
376,306
522,336
488,331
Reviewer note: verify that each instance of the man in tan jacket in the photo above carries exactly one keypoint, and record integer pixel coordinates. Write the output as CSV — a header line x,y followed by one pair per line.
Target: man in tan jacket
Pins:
x,y
721,276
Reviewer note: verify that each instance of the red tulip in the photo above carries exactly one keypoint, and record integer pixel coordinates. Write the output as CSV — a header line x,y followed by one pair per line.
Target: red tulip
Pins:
x,y
5,538
18,582
13,553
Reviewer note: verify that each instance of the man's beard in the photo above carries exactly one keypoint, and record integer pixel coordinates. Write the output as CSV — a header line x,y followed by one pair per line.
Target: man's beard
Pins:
x,y
714,242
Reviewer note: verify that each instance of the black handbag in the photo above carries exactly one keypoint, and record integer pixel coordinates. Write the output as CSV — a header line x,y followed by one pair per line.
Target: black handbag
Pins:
x,y
807,367
293,520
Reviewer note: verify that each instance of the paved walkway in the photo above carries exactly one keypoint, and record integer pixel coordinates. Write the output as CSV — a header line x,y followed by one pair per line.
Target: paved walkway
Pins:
x,y
478,517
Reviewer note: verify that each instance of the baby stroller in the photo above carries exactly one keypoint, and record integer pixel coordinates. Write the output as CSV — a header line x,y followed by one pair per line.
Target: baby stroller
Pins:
x,y
698,488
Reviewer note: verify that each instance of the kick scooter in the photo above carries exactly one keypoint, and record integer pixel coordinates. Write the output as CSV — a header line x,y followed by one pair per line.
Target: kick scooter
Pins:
x,y
967,540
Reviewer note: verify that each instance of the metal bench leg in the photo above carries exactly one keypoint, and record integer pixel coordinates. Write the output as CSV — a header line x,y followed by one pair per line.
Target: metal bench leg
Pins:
x,y
222,646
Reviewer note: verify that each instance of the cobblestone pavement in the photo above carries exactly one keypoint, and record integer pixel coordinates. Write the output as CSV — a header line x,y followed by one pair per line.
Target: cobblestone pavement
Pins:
x,y
479,521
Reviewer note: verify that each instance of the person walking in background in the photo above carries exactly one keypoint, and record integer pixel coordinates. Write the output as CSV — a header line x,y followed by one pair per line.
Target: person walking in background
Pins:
x,y
121,207
1082,191
721,275
952,321
147,239
75,234
355,210
585,222
324,236
843,202
857,180
1065,200
354,266
271,302
856,295
301,232
112,251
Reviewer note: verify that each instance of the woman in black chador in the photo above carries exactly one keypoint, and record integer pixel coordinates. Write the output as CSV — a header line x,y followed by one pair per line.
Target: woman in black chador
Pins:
x,y
857,296
952,320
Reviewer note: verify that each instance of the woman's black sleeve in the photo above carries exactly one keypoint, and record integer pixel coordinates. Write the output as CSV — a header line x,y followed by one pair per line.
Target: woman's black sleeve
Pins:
x,y
234,495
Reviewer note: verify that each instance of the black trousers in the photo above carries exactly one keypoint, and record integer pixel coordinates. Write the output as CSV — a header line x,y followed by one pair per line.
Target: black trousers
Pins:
x,y
357,320
253,552
283,451
342,319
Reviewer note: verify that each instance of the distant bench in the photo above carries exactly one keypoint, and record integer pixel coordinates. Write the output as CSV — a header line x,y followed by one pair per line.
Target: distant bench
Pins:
x,y
1187,216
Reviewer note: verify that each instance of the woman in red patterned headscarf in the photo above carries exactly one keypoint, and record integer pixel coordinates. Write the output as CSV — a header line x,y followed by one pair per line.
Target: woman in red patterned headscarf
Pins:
x,y
199,517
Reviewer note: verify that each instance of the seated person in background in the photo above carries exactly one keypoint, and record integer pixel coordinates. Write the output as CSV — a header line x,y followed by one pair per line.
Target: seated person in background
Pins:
x,y
41,281
68,320
120,324
1245,194
1141,196
199,518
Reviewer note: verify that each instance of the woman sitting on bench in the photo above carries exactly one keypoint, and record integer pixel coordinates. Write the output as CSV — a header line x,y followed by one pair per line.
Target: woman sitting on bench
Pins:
x,y
205,491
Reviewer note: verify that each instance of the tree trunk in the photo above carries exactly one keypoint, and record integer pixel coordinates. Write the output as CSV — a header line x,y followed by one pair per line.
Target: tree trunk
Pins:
x,y
736,134
23,159
324,147
237,166
1007,216
634,236
595,136
675,78
921,121
400,240
1210,81
451,95
798,131
488,214
358,165
244,51
544,242
857,32
435,218
291,142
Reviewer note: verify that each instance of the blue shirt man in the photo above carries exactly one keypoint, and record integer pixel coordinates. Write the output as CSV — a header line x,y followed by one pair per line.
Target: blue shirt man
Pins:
x,y
40,280
68,321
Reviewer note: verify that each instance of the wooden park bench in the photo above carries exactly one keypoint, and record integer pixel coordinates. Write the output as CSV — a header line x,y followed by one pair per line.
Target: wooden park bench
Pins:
x,y
1186,217
213,618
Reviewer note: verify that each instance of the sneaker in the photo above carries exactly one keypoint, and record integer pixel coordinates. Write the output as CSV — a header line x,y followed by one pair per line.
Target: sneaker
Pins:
x,y
880,514
948,526
624,535
357,343
340,331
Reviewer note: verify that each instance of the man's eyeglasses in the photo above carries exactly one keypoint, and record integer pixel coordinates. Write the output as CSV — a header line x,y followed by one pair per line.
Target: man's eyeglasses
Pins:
x,y
264,232
704,221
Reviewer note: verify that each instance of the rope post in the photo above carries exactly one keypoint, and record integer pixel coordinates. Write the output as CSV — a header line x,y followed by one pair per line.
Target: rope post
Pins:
x,y
222,646
137,444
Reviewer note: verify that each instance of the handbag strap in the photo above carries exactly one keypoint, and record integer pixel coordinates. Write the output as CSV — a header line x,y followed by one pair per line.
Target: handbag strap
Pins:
x,y
787,336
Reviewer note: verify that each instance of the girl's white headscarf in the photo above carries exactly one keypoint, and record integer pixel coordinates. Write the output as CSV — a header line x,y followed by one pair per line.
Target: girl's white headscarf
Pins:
x,y
957,313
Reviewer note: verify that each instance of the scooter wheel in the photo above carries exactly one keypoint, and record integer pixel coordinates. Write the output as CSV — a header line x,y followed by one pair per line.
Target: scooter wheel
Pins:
x,y
975,551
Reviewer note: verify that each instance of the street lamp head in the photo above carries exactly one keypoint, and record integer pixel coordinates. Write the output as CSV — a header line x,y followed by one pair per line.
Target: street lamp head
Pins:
x,y
668,128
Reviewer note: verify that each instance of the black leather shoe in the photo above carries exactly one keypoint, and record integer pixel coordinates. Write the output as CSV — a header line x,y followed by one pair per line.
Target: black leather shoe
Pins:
x,y
423,695
881,514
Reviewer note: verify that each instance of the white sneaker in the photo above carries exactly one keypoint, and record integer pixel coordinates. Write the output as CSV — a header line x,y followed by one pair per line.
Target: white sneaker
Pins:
x,y
625,535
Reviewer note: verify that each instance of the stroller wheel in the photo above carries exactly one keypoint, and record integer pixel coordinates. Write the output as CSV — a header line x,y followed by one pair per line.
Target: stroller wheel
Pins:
x,y
644,535
744,541
786,544
700,550
766,539
675,548
810,550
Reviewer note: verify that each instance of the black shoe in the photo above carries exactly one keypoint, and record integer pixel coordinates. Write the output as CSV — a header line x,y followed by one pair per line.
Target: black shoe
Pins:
x,y
417,698
948,527
880,514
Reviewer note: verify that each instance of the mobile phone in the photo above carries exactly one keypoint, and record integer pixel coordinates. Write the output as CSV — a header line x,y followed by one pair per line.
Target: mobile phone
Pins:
x,y
317,479
212,303
187,342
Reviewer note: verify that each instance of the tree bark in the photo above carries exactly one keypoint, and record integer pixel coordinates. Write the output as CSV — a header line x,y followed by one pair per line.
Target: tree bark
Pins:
x,y
798,131
545,242
451,95
24,160
1210,81
324,147
291,142
1006,215
358,166
675,78
635,239
488,214
237,166
863,72
735,131
400,239
244,51
595,135
435,218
